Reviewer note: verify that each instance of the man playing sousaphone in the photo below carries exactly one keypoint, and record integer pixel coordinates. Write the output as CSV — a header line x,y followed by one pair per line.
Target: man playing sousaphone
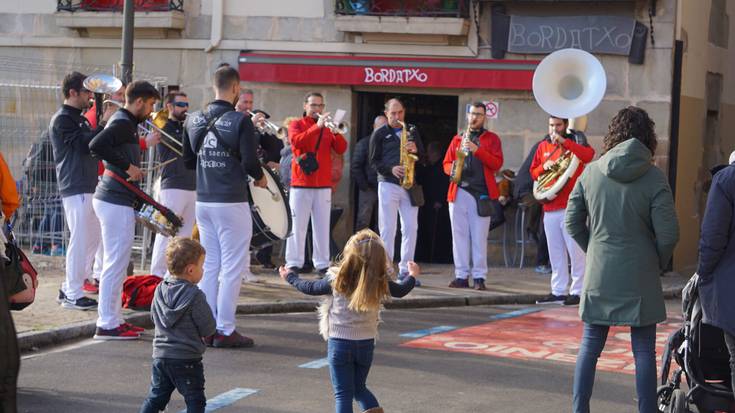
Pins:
x,y
557,146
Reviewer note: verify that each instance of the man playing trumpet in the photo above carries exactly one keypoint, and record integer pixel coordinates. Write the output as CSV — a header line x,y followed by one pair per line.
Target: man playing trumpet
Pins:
x,y
473,185
560,243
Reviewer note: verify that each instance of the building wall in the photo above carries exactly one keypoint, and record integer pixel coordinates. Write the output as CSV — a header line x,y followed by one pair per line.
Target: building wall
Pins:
x,y
695,156
308,26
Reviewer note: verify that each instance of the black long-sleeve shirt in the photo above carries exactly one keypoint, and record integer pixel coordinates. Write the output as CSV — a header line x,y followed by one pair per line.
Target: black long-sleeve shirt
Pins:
x,y
385,151
365,177
324,286
221,176
175,175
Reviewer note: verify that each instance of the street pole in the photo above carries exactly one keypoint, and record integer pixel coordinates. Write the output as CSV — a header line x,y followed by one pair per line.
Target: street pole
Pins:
x,y
127,41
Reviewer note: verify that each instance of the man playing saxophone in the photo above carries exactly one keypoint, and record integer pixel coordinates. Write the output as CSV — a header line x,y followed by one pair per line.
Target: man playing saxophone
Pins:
x,y
554,146
393,199
470,193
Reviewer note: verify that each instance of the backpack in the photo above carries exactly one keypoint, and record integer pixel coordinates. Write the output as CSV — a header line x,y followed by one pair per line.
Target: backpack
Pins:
x,y
21,279
138,291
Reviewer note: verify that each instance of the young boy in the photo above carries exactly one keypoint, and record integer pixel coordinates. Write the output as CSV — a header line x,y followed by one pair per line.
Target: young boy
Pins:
x,y
182,317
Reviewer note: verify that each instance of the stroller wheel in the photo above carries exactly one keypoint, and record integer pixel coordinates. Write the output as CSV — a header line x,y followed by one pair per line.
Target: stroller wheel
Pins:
x,y
679,402
663,397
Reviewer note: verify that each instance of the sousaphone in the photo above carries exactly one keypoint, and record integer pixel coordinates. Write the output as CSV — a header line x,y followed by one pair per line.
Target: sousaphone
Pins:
x,y
568,83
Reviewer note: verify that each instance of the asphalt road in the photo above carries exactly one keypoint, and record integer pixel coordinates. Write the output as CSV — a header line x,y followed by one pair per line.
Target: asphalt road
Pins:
x,y
90,376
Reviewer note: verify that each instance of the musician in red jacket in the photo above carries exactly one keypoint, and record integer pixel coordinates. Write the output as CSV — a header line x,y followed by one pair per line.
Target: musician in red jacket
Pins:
x,y
311,181
470,223
560,243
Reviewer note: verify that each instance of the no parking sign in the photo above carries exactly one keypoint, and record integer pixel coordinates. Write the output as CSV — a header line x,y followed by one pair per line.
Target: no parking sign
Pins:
x,y
491,109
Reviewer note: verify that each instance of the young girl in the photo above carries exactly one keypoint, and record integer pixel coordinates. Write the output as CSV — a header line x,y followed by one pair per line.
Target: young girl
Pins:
x,y
349,317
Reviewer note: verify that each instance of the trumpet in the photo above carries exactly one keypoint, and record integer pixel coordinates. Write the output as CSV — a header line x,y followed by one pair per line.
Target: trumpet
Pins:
x,y
270,128
337,128
156,121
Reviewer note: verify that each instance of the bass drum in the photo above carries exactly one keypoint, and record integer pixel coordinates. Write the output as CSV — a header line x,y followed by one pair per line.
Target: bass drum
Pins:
x,y
270,210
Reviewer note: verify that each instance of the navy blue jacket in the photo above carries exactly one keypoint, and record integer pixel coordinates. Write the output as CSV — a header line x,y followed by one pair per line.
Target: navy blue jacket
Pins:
x,y
385,151
175,175
716,267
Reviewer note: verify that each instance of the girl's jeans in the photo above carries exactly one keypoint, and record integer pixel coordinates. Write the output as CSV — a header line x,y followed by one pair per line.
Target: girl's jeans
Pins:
x,y
349,364
643,342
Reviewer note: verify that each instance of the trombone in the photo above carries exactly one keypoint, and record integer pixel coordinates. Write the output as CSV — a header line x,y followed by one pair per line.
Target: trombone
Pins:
x,y
270,128
156,121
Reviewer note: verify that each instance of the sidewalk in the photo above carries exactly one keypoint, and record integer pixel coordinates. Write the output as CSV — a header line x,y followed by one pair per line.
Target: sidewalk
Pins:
x,y
45,322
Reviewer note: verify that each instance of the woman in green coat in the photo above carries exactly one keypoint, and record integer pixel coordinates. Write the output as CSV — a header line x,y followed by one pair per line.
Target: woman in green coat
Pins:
x,y
629,240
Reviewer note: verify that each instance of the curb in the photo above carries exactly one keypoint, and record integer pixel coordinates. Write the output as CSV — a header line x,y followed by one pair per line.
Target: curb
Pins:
x,y
32,341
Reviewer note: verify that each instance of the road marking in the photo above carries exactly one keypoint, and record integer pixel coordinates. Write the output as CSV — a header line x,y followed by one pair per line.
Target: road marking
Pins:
x,y
316,364
227,398
516,313
428,331
80,344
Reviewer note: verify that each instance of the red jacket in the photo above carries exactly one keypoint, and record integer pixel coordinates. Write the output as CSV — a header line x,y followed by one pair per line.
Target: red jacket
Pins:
x,y
545,152
303,134
489,152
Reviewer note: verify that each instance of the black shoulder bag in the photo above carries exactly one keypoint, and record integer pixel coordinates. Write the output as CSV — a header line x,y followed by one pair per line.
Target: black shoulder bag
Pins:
x,y
307,161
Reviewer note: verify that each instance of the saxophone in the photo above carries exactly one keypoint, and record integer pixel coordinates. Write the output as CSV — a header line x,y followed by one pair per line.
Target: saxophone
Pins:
x,y
456,173
407,160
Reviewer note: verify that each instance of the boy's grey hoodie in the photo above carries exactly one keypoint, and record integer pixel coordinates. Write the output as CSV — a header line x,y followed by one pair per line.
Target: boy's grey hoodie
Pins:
x,y
182,317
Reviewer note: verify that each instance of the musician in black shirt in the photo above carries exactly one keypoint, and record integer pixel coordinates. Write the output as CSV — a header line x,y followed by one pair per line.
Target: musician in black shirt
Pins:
x,y
117,145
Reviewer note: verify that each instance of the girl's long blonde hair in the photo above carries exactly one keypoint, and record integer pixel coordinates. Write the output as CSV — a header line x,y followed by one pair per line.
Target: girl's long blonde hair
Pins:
x,y
362,274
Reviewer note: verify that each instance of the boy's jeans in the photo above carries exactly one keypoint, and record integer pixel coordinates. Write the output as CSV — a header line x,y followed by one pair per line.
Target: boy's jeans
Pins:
x,y
643,342
186,376
349,364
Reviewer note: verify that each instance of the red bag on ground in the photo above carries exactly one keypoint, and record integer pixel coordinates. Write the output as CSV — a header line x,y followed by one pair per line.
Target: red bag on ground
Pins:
x,y
22,278
138,291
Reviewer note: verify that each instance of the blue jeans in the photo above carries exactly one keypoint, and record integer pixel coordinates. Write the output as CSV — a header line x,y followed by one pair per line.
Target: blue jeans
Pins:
x,y
349,364
186,376
643,342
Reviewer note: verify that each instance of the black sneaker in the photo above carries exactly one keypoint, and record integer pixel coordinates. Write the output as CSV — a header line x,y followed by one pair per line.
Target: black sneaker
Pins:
x,y
552,299
60,299
572,299
321,273
82,303
459,283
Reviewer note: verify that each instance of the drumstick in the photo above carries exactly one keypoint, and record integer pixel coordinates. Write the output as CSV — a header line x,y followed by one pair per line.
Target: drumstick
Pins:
x,y
159,166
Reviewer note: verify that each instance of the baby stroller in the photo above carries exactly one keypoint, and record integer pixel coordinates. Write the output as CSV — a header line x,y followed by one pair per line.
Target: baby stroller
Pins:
x,y
702,358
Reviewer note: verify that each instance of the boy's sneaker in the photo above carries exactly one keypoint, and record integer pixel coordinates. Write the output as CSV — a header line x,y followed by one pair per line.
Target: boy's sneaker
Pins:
x,y
82,303
132,328
119,333
552,299
459,283
91,286
572,299
234,340
479,284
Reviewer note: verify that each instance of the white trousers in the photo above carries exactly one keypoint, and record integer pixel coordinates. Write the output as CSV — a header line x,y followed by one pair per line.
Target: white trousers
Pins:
x,y
560,244
84,238
224,232
469,237
118,230
99,258
314,204
183,204
392,201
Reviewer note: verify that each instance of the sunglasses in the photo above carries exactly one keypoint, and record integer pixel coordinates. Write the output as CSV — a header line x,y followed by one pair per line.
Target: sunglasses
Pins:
x,y
182,104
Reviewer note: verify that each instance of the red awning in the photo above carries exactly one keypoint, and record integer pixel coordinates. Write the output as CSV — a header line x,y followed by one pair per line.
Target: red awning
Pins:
x,y
387,71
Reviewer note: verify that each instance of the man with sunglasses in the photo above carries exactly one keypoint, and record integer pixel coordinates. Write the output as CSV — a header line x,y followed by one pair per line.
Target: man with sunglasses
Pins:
x,y
178,183
76,172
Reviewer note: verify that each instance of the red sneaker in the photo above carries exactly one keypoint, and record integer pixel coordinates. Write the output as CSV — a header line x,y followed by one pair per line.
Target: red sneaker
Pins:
x,y
234,340
133,328
91,286
119,333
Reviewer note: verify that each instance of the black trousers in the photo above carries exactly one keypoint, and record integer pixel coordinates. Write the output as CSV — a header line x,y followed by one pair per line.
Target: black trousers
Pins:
x,y
9,353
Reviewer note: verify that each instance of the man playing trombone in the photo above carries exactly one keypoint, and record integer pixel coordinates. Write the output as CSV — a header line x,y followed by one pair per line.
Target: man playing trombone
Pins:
x,y
313,137
178,183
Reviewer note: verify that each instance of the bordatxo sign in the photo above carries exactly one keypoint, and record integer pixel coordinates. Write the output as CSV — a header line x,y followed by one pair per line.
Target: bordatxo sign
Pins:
x,y
394,76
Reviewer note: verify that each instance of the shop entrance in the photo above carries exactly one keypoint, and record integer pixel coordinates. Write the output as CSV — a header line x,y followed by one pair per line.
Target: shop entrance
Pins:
x,y
435,117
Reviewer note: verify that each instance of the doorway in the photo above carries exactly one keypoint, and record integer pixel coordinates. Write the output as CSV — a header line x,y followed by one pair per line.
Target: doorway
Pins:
x,y
435,117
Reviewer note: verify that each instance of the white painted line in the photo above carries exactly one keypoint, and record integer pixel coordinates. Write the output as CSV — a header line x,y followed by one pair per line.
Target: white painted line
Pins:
x,y
80,344
227,398
316,364
428,331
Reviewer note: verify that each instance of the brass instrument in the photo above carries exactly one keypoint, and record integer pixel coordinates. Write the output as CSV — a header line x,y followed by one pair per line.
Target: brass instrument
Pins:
x,y
157,120
337,128
407,160
458,164
270,128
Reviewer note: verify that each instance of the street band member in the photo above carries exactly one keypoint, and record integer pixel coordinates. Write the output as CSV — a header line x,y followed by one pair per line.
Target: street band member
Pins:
x,y
385,148
469,199
220,143
118,146
178,183
76,172
559,241
269,153
310,197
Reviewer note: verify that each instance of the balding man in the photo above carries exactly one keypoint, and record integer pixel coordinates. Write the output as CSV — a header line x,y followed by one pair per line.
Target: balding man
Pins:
x,y
385,154
365,177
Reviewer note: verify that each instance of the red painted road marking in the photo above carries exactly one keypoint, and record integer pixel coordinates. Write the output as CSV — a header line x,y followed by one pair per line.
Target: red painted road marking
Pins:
x,y
553,335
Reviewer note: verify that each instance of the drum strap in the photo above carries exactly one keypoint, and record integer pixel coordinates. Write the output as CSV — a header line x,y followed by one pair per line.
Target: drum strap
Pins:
x,y
143,197
210,127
